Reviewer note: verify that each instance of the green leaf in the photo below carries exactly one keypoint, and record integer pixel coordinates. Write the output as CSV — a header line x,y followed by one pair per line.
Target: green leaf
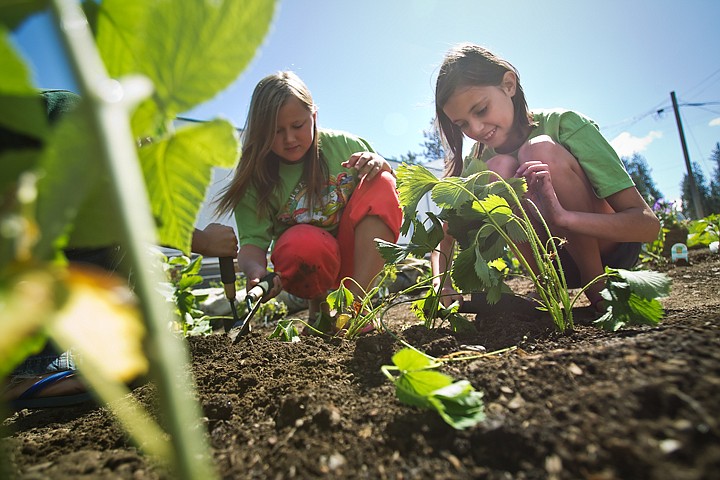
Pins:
x,y
482,269
410,360
193,267
391,252
459,405
95,224
413,388
188,281
70,170
459,323
190,50
340,299
452,192
464,274
496,206
177,172
490,242
413,182
425,240
21,107
647,284
630,297
286,331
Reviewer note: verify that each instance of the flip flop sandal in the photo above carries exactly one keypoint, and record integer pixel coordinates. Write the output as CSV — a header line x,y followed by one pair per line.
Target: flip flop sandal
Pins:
x,y
30,399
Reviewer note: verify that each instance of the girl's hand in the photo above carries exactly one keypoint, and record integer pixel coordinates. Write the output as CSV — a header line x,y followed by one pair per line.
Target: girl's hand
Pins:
x,y
367,164
448,295
541,191
254,277
215,240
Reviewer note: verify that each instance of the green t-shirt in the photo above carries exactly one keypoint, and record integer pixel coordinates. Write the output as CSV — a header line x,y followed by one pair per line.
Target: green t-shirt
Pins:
x,y
582,138
288,205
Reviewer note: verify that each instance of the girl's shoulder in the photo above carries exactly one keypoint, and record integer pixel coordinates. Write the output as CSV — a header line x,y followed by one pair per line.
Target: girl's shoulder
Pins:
x,y
338,139
339,135
557,116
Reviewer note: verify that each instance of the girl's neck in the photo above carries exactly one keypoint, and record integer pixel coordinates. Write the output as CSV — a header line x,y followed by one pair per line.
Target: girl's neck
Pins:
x,y
519,136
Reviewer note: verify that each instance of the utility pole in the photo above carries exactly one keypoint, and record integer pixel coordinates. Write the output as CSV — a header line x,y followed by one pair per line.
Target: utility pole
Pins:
x,y
691,177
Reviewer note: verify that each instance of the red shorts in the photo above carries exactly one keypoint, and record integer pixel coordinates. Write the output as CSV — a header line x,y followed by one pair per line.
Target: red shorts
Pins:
x,y
312,261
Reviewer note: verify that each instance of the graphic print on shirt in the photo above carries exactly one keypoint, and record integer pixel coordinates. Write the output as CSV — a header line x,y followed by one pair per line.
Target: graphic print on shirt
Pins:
x,y
331,204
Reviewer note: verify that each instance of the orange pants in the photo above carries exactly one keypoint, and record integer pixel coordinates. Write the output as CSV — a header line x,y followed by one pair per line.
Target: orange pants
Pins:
x,y
312,261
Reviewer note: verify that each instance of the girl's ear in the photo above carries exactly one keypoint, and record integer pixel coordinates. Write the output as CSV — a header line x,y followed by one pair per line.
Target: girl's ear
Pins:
x,y
509,83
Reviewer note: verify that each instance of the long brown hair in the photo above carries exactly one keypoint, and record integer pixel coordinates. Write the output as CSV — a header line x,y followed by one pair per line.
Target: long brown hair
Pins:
x,y
468,65
259,167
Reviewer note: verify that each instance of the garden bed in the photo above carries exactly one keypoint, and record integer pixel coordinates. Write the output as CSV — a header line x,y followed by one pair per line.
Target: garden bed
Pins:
x,y
638,403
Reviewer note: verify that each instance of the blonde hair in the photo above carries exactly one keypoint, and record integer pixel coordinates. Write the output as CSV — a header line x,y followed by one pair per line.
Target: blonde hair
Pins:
x,y
259,167
468,65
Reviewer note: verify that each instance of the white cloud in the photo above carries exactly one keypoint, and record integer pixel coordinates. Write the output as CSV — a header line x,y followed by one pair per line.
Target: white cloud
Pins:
x,y
715,122
625,144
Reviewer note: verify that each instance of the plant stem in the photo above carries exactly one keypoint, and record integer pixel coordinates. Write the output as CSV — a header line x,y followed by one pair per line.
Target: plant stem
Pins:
x,y
110,119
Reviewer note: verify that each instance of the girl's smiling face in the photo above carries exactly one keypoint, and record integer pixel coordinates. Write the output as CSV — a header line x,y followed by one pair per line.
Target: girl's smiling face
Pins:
x,y
293,131
486,113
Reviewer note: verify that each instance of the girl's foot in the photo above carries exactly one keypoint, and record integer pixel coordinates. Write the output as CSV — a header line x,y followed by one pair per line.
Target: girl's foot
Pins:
x,y
56,389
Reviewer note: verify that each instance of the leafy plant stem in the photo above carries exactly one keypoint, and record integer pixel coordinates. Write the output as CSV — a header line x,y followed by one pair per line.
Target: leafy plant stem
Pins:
x,y
550,284
109,107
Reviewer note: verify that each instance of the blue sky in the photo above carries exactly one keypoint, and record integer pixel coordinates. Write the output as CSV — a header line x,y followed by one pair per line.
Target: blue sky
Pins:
x,y
371,66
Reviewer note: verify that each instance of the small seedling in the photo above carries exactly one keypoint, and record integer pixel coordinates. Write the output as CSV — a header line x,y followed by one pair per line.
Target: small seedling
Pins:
x,y
420,385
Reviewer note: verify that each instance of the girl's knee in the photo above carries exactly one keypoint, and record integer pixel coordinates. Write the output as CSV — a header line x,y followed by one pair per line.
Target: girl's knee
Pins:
x,y
308,259
503,165
546,150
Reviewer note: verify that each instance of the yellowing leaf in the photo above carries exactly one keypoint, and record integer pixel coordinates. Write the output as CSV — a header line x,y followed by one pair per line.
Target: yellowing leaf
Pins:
x,y
101,321
24,309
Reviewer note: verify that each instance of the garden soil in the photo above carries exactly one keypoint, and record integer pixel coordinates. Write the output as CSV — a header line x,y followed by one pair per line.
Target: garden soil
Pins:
x,y
640,403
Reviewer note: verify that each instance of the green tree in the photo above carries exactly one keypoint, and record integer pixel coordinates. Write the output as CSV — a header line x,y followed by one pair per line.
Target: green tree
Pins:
x,y
703,190
433,147
411,158
714,203
639,171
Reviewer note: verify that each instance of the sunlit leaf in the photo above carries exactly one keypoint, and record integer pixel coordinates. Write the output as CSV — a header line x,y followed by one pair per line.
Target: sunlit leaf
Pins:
x,y
413,182
136,36
179,169
410,360
340,299
414,388
101,320
494,205
451,193
647,284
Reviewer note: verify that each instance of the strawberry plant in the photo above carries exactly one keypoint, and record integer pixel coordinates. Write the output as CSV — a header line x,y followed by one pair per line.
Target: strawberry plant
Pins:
x,y
485,215
705,231
88,184
184,274
419,384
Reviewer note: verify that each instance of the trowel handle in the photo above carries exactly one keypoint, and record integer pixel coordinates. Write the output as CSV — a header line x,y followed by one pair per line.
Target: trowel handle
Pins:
x,y
227,276
259,290
227,270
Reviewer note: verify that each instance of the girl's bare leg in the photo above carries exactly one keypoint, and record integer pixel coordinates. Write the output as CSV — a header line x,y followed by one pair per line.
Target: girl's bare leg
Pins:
x,y
368,261
575,193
